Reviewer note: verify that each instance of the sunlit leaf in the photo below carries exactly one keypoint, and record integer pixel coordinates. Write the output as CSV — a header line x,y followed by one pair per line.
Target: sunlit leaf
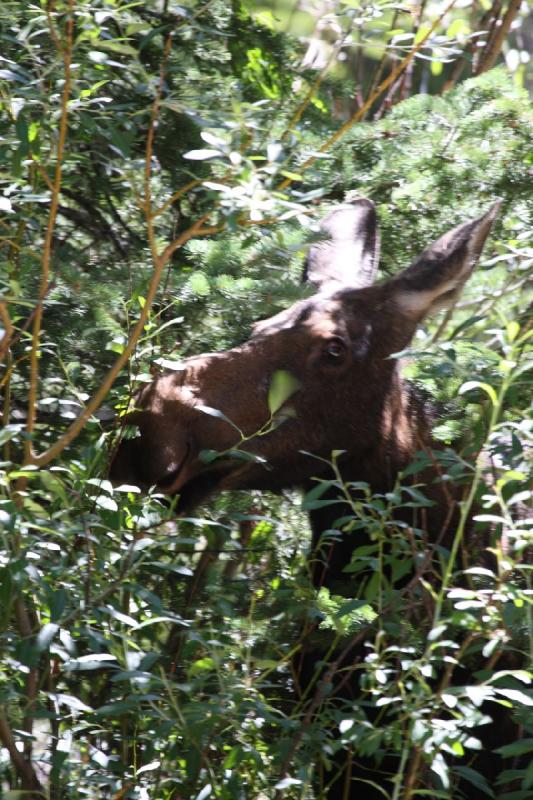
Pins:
x,y
283,385
202,155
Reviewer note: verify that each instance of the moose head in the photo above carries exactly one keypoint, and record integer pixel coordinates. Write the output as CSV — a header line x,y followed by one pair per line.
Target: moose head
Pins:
x,y
334,349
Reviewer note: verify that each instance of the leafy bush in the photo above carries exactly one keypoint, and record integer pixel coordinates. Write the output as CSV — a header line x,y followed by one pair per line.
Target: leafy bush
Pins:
x,y
144,656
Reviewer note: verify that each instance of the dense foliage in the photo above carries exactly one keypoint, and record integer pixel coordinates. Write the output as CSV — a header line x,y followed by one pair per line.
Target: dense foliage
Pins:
x,y
162,166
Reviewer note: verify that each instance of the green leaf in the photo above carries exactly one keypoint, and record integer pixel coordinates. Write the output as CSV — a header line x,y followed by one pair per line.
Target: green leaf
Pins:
x,y
467,323
205,792
435,633
345,725
475,778
202,155
149,767
214,412
513,329
286,782
519,698
520,674
206,664
103,501
440,768
449,699
459,27
9,432
516,748
283,385
485,387
478,694
74,703
45,636
90,662
347,608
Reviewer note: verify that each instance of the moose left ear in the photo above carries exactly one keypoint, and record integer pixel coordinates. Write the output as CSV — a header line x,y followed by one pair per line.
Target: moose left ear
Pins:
x,y
349,255
436,279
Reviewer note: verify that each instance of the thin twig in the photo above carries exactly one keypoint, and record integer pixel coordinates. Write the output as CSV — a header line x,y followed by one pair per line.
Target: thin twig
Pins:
x,y
6,343
96,400
381,66
177,194
43,173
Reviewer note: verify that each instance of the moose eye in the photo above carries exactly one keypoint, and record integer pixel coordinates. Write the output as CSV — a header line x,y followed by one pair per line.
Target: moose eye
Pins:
x,y
335,348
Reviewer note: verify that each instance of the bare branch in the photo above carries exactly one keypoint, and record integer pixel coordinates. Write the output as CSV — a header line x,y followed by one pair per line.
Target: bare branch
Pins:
x,y
494,45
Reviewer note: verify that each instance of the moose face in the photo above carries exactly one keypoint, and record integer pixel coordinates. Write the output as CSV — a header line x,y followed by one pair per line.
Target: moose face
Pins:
x,y
346,394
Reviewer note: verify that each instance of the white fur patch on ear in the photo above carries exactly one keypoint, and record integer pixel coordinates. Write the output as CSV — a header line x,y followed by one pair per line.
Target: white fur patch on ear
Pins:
x,y
443,268
420,303
416,303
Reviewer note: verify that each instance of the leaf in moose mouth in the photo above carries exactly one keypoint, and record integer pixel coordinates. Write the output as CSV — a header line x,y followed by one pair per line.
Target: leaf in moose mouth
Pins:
x,y
282,386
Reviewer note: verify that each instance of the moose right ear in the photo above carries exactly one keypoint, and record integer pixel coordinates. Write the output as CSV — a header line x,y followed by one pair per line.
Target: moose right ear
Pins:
x,y
349,256
436,279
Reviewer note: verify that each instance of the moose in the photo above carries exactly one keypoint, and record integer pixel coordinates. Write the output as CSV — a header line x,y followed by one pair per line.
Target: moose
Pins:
x,y
348,396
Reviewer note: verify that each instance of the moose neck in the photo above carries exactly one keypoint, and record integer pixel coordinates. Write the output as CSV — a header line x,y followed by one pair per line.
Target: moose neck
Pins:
x,y
402,428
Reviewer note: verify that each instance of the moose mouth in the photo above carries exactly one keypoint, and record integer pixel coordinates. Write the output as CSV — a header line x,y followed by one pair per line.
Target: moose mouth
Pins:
x,y
193,480
194,489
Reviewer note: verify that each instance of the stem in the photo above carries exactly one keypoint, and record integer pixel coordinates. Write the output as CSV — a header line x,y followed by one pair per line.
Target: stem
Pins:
x,y
412,772
466,506
159,262
8,328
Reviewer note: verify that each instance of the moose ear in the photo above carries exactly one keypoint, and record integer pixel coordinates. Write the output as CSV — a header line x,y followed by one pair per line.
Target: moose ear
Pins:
x,y
437,278
349,255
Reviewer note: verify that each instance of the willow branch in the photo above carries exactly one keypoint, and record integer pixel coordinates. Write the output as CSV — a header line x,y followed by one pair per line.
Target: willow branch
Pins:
x,y
43,173
66,51
159,263
324,686
381,66
154,114
177,195
96,400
